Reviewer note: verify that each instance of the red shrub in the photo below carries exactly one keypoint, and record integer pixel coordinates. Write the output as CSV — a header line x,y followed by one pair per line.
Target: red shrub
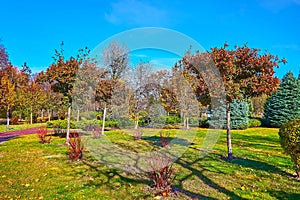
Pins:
x,y
138,135
164,138
161,174
42,135
75,146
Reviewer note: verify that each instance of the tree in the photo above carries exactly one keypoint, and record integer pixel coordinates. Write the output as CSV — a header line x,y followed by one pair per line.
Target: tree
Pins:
x,y
289,135
246,72
185,96
115,62
258,104
7,96
62,75
284,105
4,60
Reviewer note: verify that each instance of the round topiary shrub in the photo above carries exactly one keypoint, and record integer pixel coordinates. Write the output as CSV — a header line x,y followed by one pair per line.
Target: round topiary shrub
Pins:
x,y
290,141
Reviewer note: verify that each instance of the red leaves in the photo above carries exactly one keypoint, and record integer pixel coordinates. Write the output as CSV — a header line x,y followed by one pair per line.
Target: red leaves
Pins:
x,y
42,135
162,173
76,147
164,138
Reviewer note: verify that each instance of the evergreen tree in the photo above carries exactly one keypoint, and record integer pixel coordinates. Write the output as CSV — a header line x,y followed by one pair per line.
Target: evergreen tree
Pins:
x,y
284,105
239,113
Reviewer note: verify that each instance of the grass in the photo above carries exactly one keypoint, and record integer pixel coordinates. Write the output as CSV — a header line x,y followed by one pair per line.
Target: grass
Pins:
x,y
19,127
29,169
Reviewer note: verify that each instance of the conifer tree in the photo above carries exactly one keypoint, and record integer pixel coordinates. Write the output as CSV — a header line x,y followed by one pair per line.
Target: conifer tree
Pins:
x,y
284,105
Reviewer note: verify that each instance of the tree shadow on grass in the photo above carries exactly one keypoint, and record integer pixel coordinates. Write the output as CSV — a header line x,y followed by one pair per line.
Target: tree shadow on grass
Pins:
x,y
113,178
209,182
284,195
155,140
258,165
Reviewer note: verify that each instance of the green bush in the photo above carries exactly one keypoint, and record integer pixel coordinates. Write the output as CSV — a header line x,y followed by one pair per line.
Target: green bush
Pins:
x,y
203,123
61,124
90,115
289,134
254,123
173,119
84,123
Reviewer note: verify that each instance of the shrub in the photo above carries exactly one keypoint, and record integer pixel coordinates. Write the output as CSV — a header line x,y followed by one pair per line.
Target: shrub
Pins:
x,y
62,124
95,130
254,123
42,135
76,147
83,124
111,123
203,123
90,115
173,119
290,141
161,173
138,134
169,126
164,138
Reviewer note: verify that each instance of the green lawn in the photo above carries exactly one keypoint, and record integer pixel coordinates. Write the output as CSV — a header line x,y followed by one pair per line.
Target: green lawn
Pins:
x,y
19,127
260,171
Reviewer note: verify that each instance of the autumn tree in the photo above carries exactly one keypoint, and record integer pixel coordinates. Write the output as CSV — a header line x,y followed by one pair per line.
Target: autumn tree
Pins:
x,y
7,96
62,75
246,72
115,63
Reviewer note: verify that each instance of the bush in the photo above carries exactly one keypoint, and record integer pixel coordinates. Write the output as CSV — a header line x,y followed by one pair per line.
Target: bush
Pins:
x,y
90,115
254,123
161,173
138,134
173,119
290,141
42,135
169,126
164,138
75,147
62,124
203,123
83,124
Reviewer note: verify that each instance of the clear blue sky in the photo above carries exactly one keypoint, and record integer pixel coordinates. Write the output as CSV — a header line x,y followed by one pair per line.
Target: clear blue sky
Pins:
x,y
32,29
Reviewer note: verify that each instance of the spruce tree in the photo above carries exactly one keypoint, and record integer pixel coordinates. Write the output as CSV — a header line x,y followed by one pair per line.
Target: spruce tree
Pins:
x,y
284,105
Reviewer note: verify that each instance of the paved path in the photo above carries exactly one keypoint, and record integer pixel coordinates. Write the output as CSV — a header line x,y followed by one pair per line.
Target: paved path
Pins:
x,y
4,136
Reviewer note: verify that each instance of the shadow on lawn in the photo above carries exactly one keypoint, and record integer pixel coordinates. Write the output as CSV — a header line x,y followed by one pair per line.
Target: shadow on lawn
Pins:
x,y
113,178
205,179
284,195
171,140
258,165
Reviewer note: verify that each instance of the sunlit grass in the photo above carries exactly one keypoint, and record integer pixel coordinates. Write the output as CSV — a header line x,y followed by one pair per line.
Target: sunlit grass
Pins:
x,y
19,127
29,169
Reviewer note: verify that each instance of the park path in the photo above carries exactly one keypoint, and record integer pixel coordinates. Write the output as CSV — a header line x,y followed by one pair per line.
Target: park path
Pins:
x,y
4,136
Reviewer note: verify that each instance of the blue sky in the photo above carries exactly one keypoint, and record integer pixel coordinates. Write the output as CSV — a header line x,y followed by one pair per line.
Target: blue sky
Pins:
x,y
32,29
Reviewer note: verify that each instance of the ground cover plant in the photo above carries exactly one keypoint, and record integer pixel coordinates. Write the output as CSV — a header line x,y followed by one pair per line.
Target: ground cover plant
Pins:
x,y
261,170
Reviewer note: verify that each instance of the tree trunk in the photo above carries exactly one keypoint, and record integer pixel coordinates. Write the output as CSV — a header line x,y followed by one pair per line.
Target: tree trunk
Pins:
x,y
187,124
103,120
298,171
49,115
30,114
229,147
78,112
136,124
68,126
7,119
42,114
